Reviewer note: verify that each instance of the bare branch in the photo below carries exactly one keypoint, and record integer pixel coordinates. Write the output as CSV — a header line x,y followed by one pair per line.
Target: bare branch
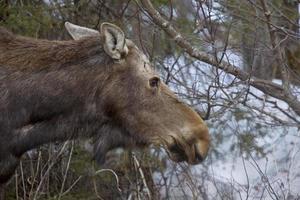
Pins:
x,y
268,87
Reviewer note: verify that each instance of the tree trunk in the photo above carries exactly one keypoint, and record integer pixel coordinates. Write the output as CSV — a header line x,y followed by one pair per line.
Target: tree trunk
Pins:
x,y
2,192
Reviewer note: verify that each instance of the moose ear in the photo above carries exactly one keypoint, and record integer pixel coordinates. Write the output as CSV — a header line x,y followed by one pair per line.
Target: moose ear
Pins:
x,y
78,32
114,40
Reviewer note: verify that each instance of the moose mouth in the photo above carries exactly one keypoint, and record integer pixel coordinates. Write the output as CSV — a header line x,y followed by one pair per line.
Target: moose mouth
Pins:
x,y
180,151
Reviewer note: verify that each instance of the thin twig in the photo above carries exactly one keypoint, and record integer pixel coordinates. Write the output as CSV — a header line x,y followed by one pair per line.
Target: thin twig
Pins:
x,y
142,175
268,87
114,173
66,171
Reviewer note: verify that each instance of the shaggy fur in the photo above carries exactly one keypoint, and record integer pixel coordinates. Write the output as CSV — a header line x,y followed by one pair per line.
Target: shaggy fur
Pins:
x,y
60,90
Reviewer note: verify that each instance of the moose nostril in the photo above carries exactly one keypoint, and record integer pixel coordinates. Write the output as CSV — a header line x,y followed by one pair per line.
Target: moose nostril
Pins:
x,y
202,143
198,157
175,149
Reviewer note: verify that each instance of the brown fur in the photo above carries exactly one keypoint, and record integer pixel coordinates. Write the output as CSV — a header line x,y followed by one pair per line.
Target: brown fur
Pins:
x,y
23,53
59,90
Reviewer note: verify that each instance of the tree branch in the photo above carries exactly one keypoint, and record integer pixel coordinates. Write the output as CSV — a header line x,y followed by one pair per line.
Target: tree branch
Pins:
x,y
267,87
275,47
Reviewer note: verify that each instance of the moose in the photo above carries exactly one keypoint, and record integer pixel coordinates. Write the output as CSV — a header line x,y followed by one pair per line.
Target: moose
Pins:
x,y
97,85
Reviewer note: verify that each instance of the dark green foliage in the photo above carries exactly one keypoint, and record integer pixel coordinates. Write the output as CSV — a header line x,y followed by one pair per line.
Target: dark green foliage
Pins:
x,y
31,18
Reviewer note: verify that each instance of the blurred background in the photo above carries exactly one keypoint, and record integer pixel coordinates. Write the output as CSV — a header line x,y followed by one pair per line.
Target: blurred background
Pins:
x,y
240,70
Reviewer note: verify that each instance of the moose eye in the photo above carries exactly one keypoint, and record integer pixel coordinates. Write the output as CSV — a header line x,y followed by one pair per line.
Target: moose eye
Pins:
x,y
154,82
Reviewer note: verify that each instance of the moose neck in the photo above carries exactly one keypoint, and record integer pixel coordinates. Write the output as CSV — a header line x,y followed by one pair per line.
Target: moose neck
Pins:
x,y
29,54
84,119
74,70
33,136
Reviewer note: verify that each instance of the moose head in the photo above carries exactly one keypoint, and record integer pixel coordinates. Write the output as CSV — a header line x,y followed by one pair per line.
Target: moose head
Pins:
x,y
139,106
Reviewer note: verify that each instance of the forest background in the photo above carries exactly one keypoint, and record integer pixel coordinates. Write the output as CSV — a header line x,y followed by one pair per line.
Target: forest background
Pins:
x,y
236,62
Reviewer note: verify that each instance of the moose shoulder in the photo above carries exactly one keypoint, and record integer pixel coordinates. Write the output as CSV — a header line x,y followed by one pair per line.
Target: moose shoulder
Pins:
x,y
99,84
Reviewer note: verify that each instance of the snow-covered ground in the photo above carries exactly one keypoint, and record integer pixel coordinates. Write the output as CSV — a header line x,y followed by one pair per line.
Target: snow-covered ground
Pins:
x,y
270,172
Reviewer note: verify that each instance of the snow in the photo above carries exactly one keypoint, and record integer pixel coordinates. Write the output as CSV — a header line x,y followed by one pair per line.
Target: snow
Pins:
x,y
236,169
